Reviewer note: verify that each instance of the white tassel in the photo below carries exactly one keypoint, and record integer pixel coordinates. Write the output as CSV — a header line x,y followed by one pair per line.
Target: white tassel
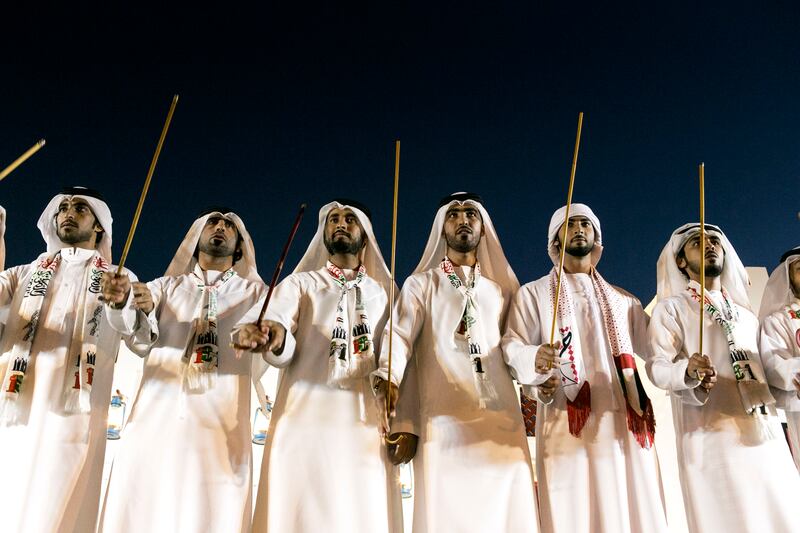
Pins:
x,y
765,429
10,412
199,378
487,394
754,395
362,367
338,372
72,401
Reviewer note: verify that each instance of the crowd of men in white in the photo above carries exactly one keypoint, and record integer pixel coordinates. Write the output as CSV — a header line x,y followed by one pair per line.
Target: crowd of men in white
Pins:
x,y
463,331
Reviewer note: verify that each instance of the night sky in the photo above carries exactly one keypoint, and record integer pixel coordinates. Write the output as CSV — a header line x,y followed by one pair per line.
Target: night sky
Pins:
x,y
302,104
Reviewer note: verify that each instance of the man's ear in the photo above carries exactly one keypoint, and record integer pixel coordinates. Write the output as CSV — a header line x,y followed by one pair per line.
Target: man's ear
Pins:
x,y
681,261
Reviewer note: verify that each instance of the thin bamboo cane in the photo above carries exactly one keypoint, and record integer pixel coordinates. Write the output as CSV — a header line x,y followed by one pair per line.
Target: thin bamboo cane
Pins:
x,y
392,284
21,159
152,169
563,240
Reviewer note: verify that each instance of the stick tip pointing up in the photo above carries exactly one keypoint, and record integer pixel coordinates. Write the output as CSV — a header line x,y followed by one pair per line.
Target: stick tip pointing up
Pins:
x,y
41,142
175,98
303,206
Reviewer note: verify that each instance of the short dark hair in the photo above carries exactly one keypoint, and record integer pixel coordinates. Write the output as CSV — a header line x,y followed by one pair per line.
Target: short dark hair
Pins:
x,y
682,255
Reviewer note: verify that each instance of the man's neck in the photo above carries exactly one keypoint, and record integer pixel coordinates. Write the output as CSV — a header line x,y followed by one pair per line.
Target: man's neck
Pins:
x,y
209,262
713,283
462,258
345,261
86,245
577,265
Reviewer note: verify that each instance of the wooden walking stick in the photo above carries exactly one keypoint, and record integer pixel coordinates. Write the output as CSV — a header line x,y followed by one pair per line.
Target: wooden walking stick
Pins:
x,y
152,169
276,274
21,159
701,375
391,287
564,233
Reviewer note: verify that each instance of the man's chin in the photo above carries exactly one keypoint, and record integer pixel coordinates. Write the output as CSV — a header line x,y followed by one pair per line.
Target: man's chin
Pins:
x,y
579,251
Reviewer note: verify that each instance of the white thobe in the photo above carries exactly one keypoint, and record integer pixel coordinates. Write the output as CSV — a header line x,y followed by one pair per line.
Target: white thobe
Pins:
x,y
735,478
472,470
53,463
602,481
324,467
780,351
184,462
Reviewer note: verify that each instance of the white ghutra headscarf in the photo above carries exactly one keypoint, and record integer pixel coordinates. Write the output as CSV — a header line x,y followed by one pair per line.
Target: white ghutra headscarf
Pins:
x,y
614,310
201,359
750,379
352,348
491,264
82,350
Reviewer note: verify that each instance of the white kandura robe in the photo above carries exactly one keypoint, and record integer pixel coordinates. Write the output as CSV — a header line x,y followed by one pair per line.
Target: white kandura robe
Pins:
x,y
325,466
472,470
734,479
52,466
602,481
184,462
780,352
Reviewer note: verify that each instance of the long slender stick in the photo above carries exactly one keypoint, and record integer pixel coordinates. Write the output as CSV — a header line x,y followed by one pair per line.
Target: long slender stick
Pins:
x,y
152,169
21,159
566,224
702,256
391,285
278,268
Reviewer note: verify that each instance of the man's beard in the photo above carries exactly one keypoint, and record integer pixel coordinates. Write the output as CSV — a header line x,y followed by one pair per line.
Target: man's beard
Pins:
x,y
460,245
343,246
226,249
74,236
713,270
580,250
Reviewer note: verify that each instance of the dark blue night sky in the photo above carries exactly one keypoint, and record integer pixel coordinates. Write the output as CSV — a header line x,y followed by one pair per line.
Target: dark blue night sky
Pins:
x,y
301,104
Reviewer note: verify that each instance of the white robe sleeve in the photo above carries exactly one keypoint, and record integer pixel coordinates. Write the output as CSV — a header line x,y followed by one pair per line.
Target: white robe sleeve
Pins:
x,y
126,319
777,354
146,333
407,413
668,360
523,338
639,339
284,308
409,315
2,238
9,281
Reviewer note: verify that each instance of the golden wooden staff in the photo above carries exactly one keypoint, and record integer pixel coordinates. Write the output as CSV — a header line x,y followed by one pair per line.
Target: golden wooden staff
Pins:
x,y
564,233
391,286
701,375
152,169
21,159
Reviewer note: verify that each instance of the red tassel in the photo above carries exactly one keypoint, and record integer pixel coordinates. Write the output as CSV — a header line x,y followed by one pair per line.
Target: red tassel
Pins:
x,y
578,410
642,426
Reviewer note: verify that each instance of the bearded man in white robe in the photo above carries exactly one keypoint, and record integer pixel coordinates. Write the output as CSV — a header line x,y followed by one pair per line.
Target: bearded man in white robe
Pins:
x,y
780,340
185,458
735,468
472,469
324,466
595,463
57,366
